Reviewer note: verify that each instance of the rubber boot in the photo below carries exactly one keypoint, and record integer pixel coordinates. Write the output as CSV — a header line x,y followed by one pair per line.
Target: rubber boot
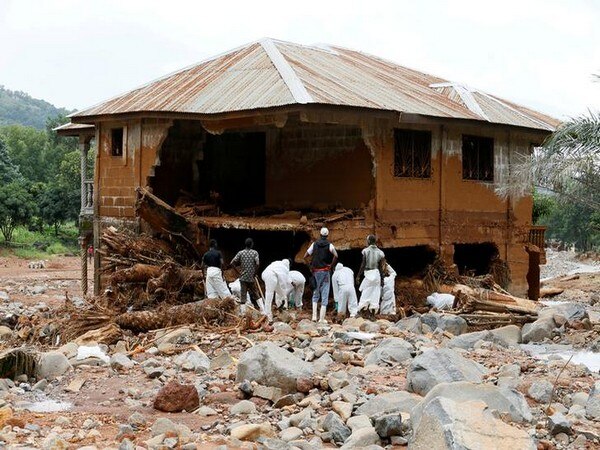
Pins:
x,y
315,305
261,305
322,314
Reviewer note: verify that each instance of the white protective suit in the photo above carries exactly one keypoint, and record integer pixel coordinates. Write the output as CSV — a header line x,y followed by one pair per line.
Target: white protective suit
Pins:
x,y
215,284
370,291
297,282
344,292
236,291
388,296
277,281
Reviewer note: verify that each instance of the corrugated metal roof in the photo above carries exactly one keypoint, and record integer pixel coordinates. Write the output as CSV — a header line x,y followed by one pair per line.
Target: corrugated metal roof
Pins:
x,y
74,129
271,73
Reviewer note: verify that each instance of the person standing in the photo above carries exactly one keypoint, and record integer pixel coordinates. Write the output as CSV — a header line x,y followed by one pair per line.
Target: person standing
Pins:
x,y
388,296
373,267
323,257
277,282
344,292
212,264
247,262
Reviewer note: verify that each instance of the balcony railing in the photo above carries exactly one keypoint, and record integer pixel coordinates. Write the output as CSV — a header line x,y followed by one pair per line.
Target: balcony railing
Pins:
x,y
87,197
537,237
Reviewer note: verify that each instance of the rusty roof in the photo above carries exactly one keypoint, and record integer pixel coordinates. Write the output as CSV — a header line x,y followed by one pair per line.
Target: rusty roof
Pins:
x,y
74,129
271,73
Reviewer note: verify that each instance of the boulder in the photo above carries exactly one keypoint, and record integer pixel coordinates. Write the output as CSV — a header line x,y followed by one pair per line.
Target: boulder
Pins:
x,y
540,391
506,401
362,439
467,341
539,330
411,324
446,424
193,361
52,365
356,422
388,425
392,350
441,366
243,407
388,403
252,432
271,365
558,423
511,334
119,361
177,336
335,425
451,323
344,409
175,397
291,434
569,311
592,406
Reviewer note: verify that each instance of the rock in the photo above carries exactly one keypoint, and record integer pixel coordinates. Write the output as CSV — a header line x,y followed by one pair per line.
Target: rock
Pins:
x,y
175,397
243,407
539,330
391,402
120,361
222,361
446,322
205,411
411,324
338,380
344,409
580,398
295,419
267,392
69,349
362,439
37,290
252,432
322,363
467,341
335,425
348,337
388,425
356,422
40,385
193,361
291,434
5,333
306,326
163,426
511,334
137,420
558,423
177,336
283,328
570,311
446,424
540,391
271,365
285,400
304,385
504,400
509,371
441,366
592,406
4,296
52,365
391,350
54,442
154,371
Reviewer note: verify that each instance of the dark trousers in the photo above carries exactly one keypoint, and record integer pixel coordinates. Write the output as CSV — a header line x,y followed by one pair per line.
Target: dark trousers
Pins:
x,y
248,287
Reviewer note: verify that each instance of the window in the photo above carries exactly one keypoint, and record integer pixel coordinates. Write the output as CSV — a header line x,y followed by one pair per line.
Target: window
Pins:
x,y
412,154
478,158
116,141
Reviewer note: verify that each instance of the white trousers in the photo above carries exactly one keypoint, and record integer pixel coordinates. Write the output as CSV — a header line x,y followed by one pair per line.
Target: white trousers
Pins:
x,y
273,286
347,298
388,297
370,291
215,284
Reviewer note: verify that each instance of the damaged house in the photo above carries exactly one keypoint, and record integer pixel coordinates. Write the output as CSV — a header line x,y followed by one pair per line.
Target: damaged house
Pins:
x,y
274,140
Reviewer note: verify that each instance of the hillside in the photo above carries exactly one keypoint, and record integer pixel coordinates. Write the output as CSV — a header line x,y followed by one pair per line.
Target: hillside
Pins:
x,y
17,107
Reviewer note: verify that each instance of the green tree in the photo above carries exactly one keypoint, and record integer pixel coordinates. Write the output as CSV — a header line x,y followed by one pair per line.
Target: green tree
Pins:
x,y
8,171
17,207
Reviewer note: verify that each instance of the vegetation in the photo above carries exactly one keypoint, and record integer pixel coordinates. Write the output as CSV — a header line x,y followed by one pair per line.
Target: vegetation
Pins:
x,y
39,179
18,108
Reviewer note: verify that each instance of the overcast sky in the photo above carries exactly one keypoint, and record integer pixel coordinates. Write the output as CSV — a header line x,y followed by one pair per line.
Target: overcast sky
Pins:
x,y
540,53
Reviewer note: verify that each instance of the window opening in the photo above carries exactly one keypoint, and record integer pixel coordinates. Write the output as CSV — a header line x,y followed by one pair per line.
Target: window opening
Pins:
x,y
478,158
412,154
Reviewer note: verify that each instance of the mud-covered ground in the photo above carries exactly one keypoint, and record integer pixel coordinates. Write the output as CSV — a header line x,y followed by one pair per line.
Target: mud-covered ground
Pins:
x,y
360,384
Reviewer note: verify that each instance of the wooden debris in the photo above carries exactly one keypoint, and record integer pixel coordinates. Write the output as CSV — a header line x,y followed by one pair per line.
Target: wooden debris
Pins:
x,y
550,291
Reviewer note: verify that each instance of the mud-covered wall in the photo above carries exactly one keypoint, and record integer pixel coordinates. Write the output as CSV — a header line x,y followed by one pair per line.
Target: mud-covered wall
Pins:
x,y
318,166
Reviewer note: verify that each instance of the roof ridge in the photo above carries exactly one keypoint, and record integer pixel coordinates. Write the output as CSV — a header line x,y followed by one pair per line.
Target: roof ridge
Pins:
x,y
287,74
